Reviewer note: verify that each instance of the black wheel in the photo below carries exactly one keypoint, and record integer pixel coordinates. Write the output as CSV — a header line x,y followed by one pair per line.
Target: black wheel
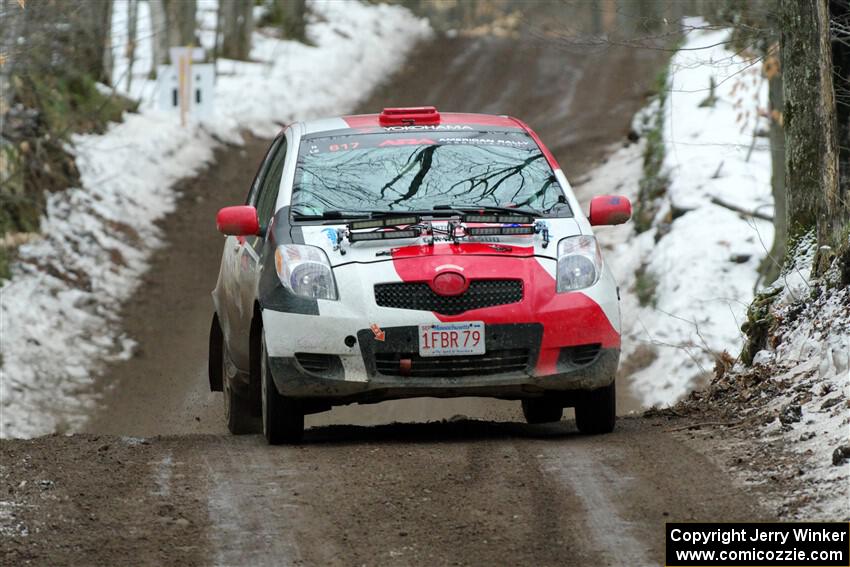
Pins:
x,y
283,420
596,412
215,368
237,408
541,410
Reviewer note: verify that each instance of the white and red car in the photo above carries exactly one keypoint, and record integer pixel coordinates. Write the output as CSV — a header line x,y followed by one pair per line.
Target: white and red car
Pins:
x,y
413,253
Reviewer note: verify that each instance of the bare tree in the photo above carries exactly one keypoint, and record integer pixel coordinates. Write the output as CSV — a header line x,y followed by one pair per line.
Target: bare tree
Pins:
x,y
180,16
130,49
12,16
840,26
89,25
292,15
811,158
160,33
237,23
772,264
174,23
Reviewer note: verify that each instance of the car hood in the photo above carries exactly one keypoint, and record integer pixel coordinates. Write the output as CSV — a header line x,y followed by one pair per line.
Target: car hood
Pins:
x,y
325,237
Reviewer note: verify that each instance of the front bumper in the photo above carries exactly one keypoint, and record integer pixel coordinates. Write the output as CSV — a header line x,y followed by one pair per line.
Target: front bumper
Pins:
x,y
376,370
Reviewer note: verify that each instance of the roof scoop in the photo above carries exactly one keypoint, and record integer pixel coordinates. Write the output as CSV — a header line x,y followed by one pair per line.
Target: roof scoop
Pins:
x,y
409,116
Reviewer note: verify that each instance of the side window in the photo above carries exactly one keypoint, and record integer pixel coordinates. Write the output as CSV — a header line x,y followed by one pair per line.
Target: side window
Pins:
x,y
262,172
271,186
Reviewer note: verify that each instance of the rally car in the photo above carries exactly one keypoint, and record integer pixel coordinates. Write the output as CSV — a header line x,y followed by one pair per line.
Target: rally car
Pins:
x,y
413,253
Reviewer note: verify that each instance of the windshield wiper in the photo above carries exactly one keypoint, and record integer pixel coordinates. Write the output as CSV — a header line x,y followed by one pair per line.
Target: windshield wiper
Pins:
x,y
490,208
417,213
370,214
331,214
438,210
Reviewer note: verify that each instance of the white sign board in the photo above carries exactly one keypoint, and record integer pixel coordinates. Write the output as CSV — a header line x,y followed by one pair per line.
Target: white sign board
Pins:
x,y
185,87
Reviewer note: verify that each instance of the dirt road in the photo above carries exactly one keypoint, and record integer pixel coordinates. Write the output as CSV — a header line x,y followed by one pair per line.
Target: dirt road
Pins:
x,y
455,493
479,490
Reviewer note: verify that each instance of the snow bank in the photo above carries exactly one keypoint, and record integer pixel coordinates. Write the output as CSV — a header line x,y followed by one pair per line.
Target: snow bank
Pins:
x,y
58,313
788,410
793,401
811,366
699,260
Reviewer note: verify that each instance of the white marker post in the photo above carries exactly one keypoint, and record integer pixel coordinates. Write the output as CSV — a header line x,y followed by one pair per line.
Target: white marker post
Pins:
x,y
182,84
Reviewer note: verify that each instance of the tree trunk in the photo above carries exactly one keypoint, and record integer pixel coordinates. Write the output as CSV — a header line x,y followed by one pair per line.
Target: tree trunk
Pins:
x,y
90,26
174,24
838,205
292,15
237,23
160,33
773,263
181,22
106,33
12,17
132,25
811,156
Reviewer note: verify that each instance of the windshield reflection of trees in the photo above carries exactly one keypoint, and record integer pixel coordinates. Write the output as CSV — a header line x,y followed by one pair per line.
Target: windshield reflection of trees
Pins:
x,y
423,176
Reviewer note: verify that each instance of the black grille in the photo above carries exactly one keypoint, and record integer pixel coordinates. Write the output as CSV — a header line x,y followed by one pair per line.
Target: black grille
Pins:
x,y
580,355
420,296
493,362
318,363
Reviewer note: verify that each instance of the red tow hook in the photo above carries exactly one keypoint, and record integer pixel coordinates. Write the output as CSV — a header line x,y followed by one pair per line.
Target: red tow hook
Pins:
x,y
404,366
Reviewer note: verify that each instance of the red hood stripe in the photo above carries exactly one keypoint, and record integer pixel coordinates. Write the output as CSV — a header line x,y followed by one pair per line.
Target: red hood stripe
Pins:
x,y
463,249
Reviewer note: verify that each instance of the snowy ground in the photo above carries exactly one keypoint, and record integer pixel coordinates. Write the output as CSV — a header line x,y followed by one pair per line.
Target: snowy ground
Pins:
x,y
811,365
702,263
58,313
792,405
788,412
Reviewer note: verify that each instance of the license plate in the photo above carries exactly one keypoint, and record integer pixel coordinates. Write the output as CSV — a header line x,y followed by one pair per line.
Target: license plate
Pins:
x,y
451,339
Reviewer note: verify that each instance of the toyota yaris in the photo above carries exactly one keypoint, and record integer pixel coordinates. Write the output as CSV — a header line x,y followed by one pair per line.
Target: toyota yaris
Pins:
x,y
413,253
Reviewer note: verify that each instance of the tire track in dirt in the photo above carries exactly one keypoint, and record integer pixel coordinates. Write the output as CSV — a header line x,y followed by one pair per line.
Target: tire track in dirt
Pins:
x,y
250,503
461,492
595,484
451,493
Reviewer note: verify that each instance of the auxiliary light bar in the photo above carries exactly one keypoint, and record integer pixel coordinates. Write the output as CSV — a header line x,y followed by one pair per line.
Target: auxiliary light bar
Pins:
x,y
382,222
499,230
504,219
384,235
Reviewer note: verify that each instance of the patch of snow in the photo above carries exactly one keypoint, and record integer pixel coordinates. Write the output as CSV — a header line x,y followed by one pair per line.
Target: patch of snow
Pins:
x,y
59,312
795,282
814,356
703,263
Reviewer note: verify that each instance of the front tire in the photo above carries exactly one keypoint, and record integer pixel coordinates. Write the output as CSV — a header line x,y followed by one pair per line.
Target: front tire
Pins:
x,y
237,408
283,420
596,412
541,410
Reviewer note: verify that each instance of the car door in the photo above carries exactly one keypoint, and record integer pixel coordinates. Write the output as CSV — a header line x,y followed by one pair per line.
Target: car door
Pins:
x,y
246,252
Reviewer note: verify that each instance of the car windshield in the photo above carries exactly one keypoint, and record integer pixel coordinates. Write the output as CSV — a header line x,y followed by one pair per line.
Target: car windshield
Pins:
x,y
416,171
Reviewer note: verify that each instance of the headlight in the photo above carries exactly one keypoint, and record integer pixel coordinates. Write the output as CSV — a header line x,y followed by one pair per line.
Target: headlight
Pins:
x,y
579,263
305,271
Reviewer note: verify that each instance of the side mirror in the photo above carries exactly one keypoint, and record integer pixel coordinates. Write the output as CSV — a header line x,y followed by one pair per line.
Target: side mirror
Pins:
x,y
609,209
238,221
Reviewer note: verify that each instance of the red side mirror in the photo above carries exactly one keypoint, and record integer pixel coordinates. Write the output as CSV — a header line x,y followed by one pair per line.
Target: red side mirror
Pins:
x,y
238,221
609,209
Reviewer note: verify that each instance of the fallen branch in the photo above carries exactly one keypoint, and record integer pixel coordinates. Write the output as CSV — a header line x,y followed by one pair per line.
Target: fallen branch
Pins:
x,y
737,209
